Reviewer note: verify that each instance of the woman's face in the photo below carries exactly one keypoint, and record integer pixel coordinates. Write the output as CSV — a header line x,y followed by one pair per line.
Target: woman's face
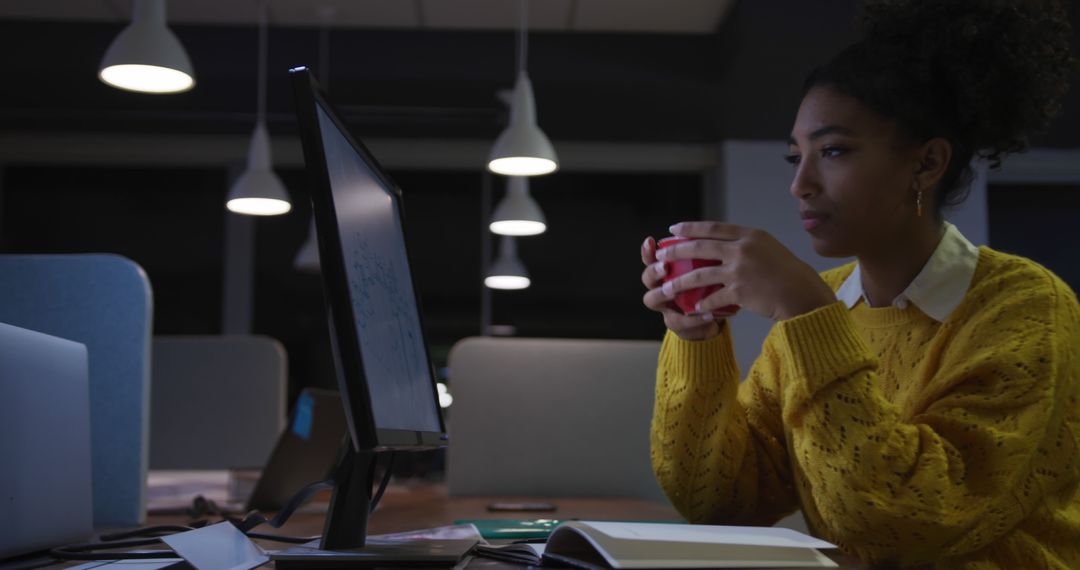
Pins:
x,y
853,179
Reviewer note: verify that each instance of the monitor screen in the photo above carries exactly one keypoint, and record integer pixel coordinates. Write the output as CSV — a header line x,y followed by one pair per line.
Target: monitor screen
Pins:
x,y
384,370
380,288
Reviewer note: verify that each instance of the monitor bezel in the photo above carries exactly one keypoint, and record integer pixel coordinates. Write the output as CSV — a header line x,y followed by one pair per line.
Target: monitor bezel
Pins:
x,y
352,380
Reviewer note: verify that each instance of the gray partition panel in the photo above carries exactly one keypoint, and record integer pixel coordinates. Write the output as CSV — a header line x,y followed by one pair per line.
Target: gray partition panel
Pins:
x,y
218,401
551,417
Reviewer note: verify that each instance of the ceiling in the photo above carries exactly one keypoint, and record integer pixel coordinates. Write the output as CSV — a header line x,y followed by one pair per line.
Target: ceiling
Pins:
x,y
631,16
740,80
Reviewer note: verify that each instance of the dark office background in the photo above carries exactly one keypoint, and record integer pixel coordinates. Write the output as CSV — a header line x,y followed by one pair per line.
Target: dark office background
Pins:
x,y
740,82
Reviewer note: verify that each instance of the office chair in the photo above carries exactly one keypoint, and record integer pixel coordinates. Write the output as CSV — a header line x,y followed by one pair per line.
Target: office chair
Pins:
x,y
217,402
551,417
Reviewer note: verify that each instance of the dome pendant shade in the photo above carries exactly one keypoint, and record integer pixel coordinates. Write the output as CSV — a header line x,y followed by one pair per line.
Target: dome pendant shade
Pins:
x,y
518,214
522,149
507,272
146,57
258,191
307,259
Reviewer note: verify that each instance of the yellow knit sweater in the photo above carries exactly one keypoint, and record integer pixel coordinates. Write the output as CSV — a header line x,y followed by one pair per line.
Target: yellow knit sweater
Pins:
x,y
904,440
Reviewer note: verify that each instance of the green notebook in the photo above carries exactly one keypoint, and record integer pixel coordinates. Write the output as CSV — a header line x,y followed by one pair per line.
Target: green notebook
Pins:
x,y
513,529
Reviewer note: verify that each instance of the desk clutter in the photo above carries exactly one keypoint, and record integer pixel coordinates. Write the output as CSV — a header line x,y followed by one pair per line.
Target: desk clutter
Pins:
x,y
579,544
598,540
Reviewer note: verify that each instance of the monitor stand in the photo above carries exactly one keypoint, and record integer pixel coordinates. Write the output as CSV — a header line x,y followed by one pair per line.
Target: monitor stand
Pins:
x,y
344,542
346,521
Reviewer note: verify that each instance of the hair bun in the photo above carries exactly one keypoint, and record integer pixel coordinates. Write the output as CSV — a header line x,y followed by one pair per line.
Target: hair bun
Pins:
x,y
1002,65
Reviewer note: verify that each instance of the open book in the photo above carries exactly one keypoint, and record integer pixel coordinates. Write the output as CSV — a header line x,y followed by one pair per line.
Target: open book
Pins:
x,y
594,545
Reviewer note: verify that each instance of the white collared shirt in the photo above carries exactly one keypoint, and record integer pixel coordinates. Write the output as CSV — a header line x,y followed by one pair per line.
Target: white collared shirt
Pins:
x,y
941,285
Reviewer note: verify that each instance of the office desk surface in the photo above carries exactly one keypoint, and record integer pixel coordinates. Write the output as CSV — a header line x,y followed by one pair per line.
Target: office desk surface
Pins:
x,y
412,507
425,505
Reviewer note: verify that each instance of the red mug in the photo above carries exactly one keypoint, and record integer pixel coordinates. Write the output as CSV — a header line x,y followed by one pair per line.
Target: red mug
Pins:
x,y
687,300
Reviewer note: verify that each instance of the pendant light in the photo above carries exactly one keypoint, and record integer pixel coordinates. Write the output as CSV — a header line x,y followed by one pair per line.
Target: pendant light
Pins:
x,y
258,191
307,258
522,149
508,272
518,214
146,57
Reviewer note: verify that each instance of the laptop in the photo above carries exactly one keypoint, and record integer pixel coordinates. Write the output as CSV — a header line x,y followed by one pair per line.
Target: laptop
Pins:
x,y
305,452
46,484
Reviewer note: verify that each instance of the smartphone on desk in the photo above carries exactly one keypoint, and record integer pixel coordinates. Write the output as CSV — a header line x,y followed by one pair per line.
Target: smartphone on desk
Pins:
x,y
525,507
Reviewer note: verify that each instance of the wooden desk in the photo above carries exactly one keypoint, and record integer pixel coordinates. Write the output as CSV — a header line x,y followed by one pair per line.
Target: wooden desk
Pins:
x,y
412,507
429,506
424,505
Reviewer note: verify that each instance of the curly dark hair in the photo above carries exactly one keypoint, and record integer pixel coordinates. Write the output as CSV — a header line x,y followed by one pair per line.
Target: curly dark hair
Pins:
x,y
984,74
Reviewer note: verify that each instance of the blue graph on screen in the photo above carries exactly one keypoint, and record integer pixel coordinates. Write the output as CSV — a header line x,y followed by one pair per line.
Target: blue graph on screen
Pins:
x,y
377,289
391,345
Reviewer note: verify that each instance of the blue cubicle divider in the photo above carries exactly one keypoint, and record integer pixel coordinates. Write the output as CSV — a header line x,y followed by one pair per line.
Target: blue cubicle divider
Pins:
x,y
103,301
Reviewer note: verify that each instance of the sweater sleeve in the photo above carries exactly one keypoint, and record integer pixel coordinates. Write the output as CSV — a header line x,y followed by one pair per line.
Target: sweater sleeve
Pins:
x,y
718,446
991,437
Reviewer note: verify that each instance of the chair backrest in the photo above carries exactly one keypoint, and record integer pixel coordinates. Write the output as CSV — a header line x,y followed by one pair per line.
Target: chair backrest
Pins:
x,y
102,301
551,417
217,402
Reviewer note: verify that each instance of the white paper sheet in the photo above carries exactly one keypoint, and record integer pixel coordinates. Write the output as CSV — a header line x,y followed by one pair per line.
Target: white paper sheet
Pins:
x,y
217,547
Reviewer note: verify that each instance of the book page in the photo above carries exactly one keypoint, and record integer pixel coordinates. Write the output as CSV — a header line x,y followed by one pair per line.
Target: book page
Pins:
x,y
648,545
713,534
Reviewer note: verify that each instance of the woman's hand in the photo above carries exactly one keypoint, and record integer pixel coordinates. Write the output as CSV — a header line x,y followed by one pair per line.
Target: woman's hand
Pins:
x,y
687,328
756,271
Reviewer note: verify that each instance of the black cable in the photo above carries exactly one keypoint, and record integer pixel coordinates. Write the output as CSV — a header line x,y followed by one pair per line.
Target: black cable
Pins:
x,y
283,539
255,518
146,536
382,485
92,550
152,531
152,535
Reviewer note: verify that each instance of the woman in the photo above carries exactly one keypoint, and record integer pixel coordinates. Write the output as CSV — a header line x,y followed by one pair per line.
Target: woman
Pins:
x,y
920,404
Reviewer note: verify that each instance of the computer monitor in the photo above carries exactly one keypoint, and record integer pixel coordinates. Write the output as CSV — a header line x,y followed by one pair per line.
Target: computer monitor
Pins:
x,y
384,371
